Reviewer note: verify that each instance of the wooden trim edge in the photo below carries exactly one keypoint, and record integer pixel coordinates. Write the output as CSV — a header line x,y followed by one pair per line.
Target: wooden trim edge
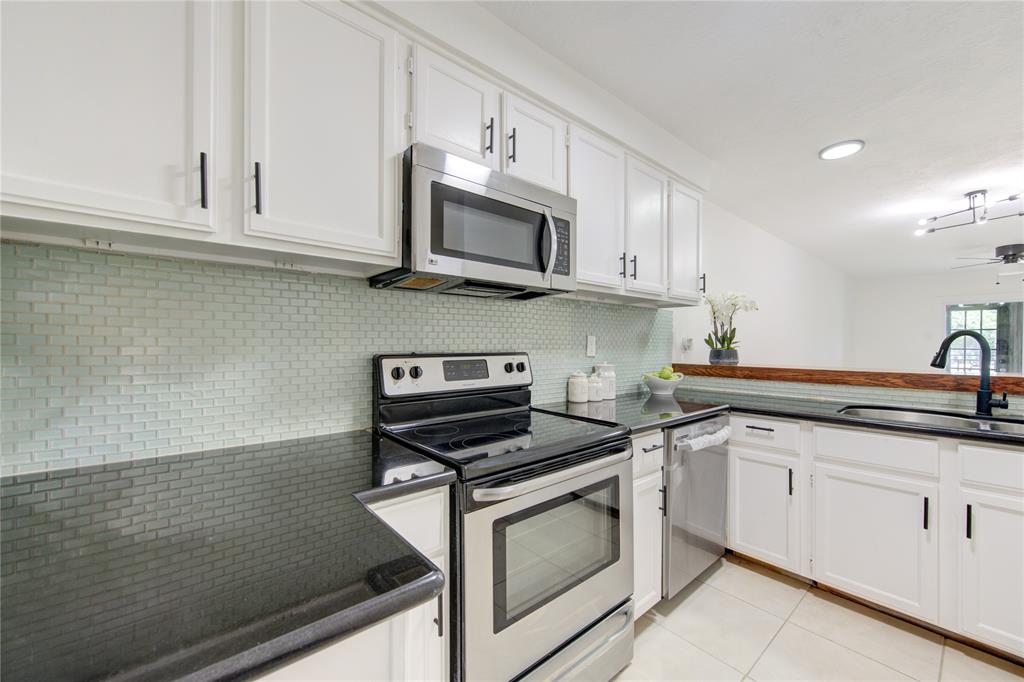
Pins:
x,y
926,381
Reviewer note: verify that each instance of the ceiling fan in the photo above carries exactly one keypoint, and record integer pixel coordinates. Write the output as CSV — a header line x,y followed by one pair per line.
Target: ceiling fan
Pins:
x,y
1008,254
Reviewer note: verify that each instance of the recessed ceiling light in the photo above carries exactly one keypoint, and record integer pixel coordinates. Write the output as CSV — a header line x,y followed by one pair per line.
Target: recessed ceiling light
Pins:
x,y
840,150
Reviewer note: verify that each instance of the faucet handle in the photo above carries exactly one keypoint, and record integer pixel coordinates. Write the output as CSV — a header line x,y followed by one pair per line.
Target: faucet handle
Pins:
x,y
1000,402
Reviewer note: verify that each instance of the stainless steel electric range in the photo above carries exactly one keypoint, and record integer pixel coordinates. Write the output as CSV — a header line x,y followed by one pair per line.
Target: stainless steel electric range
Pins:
x,y
542,537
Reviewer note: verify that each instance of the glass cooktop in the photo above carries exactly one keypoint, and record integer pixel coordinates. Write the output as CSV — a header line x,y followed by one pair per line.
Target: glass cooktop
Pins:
x,y
514,438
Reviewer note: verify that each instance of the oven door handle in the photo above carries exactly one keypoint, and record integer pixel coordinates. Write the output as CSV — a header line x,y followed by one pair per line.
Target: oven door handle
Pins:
x,y
553,251
507,492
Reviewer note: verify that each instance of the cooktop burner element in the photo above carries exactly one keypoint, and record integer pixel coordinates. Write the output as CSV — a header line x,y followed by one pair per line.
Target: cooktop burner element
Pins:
x,y
480,425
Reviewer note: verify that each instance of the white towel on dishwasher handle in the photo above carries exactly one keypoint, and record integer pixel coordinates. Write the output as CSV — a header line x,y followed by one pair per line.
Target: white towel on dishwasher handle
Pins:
x,y
707,440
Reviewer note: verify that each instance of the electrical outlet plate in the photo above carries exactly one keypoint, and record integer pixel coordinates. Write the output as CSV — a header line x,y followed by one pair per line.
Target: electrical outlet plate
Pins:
x,y
591,346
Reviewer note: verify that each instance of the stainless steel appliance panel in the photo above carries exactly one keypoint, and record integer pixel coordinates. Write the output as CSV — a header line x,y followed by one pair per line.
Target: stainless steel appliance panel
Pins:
x,y
600,653
545,565
695,497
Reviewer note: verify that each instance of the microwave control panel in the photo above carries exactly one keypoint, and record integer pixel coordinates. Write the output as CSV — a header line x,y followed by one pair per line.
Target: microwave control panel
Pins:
x,y
562,254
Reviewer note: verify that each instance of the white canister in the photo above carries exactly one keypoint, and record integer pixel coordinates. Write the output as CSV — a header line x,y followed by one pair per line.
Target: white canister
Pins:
x,y
607,373
595,388
579,390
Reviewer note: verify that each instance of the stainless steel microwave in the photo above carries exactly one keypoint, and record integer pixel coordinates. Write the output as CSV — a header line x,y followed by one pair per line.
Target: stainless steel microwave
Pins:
x,y
469,230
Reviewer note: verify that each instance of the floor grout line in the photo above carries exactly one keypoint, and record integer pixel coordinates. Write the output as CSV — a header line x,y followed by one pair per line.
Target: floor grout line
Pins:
x,y
859,653
654,621
942,658
770,641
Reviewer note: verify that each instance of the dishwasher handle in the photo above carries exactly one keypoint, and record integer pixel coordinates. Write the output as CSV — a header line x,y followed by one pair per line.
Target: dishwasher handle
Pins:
x,y
707,440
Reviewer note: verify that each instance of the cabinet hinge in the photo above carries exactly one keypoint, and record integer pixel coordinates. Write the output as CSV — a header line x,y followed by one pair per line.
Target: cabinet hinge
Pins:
x,y
812,480
409,64
408,119
567,136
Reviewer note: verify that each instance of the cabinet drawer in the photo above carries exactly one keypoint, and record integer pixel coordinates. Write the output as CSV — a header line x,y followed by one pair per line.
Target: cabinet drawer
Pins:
x,y
992,466
770,432
917,455
648,453
420,518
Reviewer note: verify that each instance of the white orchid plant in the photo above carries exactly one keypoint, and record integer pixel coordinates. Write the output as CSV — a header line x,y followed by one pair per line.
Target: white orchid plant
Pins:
x,y
723,309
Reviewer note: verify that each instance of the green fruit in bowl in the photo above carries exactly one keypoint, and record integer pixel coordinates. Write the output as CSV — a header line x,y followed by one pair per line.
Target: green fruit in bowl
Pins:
x,y
666,373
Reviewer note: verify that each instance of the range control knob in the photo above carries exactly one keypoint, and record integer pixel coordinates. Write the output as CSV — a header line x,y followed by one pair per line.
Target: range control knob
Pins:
x,y
521,366
397,373
415,371
509,367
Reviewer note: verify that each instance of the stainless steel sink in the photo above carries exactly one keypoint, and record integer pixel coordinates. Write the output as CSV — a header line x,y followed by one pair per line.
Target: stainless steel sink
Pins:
x,y
929,418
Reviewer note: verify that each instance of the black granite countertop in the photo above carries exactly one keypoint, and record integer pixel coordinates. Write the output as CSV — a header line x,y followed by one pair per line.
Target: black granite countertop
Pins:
x,y
211,565
642,412
645,412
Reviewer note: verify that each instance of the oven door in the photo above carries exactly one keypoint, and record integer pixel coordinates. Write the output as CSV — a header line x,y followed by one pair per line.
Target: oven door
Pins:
x,y
547,559
471,231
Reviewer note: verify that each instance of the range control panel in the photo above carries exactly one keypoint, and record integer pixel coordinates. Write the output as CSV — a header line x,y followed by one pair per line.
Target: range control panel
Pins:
x,y
407,375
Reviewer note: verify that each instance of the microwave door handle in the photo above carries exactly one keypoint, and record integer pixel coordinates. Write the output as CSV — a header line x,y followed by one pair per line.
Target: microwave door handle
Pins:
x,y
553,251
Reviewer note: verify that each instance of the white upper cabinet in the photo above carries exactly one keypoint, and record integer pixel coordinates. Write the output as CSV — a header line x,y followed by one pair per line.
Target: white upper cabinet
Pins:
x,y
108,109
597,180
646,228
535,144
321,156
455,110
684,234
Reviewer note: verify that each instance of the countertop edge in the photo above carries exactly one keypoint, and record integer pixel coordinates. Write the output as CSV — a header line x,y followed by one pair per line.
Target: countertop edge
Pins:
x,y
680,420
281,650
401,489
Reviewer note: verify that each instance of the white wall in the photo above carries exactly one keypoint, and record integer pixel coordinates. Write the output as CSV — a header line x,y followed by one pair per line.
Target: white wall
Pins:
x,y
802,300
476,35
898,322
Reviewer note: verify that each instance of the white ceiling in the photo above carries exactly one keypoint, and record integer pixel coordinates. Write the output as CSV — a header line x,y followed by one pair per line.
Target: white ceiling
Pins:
x,y
935,88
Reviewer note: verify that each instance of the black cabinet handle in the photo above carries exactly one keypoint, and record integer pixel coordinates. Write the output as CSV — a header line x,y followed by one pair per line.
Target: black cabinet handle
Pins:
x,y
633,261
653,448
259,190
439,621
760,428
791,483
663,505
203,199
490,136
622,273
970,524
926,513
704,283
512,138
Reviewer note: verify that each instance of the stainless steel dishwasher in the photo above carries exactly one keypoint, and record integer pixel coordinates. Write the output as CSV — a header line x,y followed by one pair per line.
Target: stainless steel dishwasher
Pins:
x,y
696,481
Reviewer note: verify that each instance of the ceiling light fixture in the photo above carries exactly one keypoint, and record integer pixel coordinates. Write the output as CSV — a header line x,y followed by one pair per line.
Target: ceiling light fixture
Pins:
x,y
840,150
977,206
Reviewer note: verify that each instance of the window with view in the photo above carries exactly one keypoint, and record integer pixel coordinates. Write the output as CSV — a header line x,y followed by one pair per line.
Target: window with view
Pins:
x,y
1002,325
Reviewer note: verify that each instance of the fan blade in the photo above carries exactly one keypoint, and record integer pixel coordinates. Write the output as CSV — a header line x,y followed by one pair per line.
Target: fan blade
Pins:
x,y
975,265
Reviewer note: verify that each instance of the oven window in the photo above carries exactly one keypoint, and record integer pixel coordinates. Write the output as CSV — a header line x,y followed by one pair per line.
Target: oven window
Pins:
x,y
473,227
546,550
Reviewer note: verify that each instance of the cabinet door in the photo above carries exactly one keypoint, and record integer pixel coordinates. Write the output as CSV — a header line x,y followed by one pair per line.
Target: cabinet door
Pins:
x,y
684,238
107,107
647,534
597,180
535,144
455,109
321,95
764,518
876,536
991,569
646,228
373,654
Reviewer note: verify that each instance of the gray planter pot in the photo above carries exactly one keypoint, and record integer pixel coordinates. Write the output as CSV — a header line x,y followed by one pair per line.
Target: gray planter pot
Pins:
x,y
722,356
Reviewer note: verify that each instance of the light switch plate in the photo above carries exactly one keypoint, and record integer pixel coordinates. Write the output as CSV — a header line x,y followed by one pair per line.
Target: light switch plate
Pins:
x,y
591,346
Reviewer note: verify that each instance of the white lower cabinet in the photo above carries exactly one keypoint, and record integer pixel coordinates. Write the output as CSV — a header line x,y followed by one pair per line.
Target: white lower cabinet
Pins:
x,y
647,536
407,646
764,511
648,457
876,536
992,568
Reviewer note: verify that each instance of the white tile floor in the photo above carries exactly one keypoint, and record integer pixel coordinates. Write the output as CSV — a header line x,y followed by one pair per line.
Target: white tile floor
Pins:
x,y
740,621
